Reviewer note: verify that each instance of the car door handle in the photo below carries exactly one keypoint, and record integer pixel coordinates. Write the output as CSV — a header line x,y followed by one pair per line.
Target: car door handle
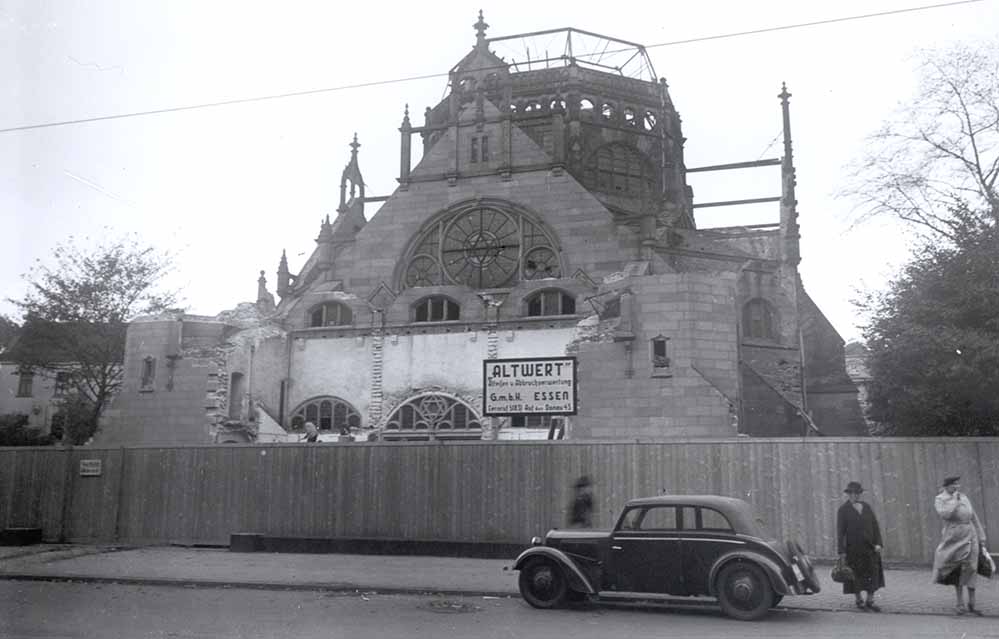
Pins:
x,y
615,548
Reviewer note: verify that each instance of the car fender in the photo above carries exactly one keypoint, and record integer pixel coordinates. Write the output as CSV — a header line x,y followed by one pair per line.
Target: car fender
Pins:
x,y
577,580
771,567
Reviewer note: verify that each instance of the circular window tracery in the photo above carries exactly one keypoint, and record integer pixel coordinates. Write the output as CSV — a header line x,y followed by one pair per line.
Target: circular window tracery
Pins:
x,y
433,416
482,246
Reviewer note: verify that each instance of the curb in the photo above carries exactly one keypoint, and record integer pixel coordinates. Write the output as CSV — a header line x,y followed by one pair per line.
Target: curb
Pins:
x,y
360,589
257,585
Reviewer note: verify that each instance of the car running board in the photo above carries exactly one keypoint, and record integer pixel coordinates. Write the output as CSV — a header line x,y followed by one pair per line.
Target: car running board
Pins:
x,y
656,596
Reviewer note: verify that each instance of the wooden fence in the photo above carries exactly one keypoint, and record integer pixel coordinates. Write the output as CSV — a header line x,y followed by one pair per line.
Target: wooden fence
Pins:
x,y
481,491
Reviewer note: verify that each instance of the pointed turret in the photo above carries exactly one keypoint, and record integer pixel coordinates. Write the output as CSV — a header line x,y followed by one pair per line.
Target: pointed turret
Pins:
x,y
480,27
352,176
324,247
405,151
283,276
790,234
265,301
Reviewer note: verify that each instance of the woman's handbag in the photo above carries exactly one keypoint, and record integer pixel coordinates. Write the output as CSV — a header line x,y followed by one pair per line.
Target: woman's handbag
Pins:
x,y
842,573
986,567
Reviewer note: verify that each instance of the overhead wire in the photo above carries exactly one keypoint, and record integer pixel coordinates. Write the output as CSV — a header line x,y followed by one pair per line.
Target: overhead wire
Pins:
x,y
374,83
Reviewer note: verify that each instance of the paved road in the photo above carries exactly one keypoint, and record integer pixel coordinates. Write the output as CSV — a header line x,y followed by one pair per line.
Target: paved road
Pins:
x,y
32,610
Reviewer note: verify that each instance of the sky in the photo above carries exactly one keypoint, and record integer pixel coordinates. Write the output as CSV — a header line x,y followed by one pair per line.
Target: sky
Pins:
x,y
226,188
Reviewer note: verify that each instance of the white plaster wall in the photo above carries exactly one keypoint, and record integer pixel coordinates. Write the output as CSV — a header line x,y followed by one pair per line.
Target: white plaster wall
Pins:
x,y
452,360
548,342
332,366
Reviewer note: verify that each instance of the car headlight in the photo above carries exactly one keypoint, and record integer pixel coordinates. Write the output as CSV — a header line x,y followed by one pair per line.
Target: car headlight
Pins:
x,y
537,541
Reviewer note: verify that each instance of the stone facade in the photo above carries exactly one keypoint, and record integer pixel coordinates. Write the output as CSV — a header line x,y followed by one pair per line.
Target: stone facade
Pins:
x,y
548,215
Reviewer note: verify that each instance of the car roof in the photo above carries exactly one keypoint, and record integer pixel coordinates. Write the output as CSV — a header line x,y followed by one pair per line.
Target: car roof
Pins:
x,y
739,512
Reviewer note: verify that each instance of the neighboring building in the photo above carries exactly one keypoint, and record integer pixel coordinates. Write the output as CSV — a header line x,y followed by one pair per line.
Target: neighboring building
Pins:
x,y
36,390
857,357
549,215
31,392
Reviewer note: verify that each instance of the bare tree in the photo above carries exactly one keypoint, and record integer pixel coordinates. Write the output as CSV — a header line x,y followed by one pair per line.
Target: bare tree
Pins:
x,y
939,154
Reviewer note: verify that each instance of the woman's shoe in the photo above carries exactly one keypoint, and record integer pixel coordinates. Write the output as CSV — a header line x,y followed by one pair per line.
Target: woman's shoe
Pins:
x,y
860,604
975,611
873,607
960,610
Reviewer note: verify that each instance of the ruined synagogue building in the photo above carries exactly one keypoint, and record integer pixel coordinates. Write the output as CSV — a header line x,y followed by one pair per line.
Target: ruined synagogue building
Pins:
x,y
548,215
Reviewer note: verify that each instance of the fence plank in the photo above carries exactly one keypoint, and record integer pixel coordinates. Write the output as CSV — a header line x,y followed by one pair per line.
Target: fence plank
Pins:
x,y
489,491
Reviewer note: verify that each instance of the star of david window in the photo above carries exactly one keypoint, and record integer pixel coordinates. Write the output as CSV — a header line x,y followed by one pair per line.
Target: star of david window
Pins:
x,y
433,416
485,246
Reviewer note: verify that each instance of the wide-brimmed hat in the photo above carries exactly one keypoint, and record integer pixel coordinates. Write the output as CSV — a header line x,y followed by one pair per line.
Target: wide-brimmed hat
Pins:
x,y
854,487
951,480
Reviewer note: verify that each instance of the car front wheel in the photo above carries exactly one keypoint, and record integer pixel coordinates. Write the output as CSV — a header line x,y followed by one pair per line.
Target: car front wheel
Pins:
x,y
542,584
744,591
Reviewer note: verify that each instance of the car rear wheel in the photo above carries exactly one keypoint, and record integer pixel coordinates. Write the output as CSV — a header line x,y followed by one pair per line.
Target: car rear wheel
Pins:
x,y
744,591
542,584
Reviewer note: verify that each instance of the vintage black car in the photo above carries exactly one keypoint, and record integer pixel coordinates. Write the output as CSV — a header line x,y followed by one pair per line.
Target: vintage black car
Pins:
x,y
666,547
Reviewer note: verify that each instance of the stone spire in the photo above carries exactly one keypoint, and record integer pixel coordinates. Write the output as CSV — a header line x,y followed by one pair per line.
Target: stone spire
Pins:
x,y
790,234
325,245
480,32
283,276
351,180
405,149
265,301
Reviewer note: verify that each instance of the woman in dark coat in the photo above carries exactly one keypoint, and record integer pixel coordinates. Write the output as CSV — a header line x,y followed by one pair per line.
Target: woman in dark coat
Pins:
x,y
858,540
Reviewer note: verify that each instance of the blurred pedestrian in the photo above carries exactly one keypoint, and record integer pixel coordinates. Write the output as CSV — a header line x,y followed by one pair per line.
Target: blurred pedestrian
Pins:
x,y
961,541
581,508
858,541
311,433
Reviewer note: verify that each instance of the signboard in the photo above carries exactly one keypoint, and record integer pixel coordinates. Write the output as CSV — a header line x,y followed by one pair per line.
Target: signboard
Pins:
x,y
90,468
529,386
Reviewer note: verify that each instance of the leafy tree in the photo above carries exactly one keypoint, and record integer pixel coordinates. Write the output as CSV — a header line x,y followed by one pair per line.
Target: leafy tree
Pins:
x,y
936,161
934,338
8,331
76,311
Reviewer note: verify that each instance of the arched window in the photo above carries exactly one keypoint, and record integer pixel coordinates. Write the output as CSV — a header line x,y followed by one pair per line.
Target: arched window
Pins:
x,y
433,416
629,116
550,302
330,314
532,106
558,104
330,414
759,319
618,168
586,108
650,120
607,111
435,308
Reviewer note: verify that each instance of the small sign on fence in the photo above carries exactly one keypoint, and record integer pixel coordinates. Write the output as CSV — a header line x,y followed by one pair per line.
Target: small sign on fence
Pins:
x,y
90,468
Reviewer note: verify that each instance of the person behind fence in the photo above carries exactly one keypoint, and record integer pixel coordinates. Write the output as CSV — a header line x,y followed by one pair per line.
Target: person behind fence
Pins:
x,y
858,541
961,541
581,508
311,433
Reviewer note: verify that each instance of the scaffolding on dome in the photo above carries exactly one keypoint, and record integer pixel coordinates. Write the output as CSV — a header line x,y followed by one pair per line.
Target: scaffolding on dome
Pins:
x,y
570,46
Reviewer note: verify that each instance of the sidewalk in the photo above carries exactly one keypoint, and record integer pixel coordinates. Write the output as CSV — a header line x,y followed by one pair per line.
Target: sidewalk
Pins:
x,y
908,591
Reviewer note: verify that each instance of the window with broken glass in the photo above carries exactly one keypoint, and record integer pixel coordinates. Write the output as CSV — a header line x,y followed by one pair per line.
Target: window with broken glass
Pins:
x,y
551,302
330,314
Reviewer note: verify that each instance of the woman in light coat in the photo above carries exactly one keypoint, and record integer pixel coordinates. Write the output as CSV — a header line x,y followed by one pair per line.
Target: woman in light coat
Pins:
x,y
962,539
